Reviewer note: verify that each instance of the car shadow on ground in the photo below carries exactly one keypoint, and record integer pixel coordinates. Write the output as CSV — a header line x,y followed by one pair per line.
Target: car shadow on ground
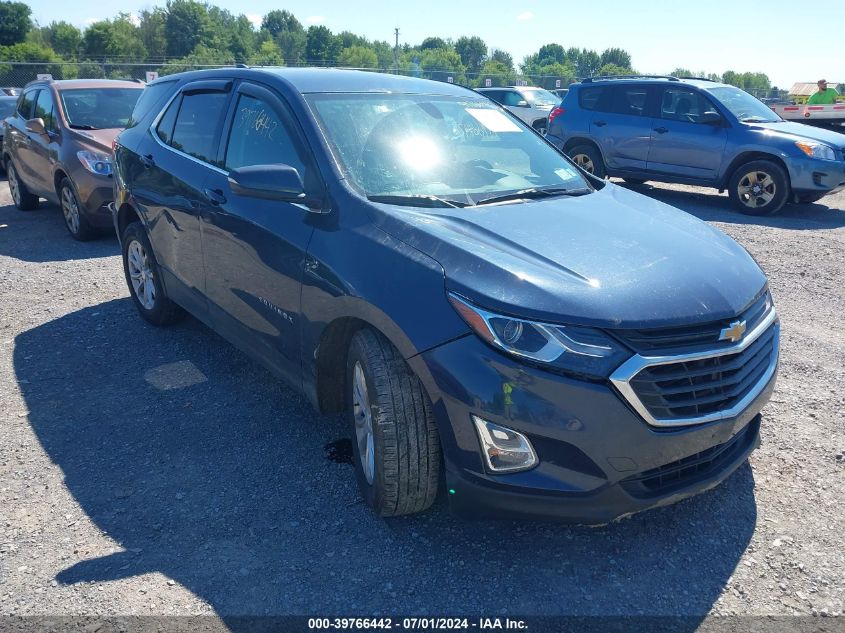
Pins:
x,y
41,236
201,466
708,204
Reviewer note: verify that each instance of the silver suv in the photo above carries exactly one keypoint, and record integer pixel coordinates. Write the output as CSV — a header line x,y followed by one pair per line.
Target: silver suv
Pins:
x,y
529,103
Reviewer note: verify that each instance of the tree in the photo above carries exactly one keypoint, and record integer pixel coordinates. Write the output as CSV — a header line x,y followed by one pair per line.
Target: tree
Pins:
x,y
472,51
277,22
617,57
588,63
358,57
433,42
152,30
292,44
321,46
552,51
608,70
441,63
63,38
268,54
114,39
187,26
384,52
497,72
14,22
502,57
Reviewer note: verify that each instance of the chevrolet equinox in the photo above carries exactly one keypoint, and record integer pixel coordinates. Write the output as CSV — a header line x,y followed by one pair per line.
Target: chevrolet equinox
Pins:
x,y
495,322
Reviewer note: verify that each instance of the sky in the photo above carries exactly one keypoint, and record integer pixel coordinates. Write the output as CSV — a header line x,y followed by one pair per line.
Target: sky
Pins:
x,y
775,37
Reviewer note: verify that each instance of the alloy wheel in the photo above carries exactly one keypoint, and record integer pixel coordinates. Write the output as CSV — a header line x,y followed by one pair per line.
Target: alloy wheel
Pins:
x,y
363,416
14,188
584,162
141,274
756,189
70,209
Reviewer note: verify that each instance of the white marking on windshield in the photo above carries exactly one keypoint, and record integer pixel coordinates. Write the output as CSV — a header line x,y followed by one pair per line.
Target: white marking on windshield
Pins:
x,y
493,120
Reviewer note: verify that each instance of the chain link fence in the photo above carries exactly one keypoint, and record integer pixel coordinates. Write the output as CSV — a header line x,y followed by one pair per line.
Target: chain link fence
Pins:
x,y
18,74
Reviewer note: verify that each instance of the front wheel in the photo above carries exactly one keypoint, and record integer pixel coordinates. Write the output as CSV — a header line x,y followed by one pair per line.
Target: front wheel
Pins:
x,y
394,440
144,278
588,158
759,187
75,220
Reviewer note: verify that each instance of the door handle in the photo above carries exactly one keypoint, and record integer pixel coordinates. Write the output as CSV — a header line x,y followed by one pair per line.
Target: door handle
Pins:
x,y
661,130
215,196
147,161
599,123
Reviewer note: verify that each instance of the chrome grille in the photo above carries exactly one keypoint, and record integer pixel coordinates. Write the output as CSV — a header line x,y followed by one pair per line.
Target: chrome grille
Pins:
x,y
702,386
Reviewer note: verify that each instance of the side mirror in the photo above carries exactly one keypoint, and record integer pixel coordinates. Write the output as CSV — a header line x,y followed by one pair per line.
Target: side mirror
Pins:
x,y
710,118
271,182
36,126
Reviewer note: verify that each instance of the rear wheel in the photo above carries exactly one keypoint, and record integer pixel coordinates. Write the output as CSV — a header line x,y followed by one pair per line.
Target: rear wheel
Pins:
x,y
759,187
144,279
588,158
75,220
395,444
23,200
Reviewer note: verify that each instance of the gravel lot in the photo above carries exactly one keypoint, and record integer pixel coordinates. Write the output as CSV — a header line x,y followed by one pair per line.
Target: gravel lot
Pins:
x,y
147,471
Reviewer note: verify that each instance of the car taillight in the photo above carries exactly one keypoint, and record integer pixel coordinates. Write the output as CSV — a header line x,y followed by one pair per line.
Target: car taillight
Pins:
x,y
556,112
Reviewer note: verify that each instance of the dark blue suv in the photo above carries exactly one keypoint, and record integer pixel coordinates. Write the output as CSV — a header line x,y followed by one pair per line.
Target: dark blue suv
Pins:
x,y
494,323
697,132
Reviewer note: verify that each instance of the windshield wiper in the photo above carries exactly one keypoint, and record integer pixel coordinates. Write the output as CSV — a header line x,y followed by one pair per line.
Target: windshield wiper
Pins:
x,y
77,126
533,193
418,200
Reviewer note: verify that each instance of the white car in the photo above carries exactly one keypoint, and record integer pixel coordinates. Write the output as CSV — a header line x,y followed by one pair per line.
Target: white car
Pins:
x,y
529,103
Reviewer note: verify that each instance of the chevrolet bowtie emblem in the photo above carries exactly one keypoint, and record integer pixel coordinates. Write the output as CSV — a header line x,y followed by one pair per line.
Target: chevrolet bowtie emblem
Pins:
x,y
733,332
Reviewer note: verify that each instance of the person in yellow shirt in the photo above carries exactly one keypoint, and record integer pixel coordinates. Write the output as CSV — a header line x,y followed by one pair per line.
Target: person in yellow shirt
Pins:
x,y
825,95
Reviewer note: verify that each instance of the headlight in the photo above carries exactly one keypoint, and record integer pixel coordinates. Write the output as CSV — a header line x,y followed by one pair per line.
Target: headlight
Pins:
x,y
816,150
95,162
574,349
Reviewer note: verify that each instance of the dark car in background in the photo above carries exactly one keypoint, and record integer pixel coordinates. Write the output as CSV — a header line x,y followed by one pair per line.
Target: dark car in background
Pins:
x,y
58,146
7,108
402,250
697,132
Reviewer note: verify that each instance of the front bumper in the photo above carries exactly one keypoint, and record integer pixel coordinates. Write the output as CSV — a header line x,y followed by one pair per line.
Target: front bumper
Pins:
x,y
599,460
94,193
811,175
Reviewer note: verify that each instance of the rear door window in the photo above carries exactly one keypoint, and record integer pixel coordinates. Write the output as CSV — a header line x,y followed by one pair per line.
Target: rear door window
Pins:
x,y
197,127
632,100
595,98
26,103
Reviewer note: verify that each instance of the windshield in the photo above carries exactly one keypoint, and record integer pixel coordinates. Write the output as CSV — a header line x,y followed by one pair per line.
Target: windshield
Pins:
x,y
99,108
454,150
540,98
743,106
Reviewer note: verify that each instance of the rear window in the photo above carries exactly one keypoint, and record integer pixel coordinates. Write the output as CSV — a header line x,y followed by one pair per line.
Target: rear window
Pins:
x,y
150,97
595,98
630,100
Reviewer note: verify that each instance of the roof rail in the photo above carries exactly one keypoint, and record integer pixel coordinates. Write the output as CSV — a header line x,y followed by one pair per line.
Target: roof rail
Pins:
x,y
700,79
588,80
241,65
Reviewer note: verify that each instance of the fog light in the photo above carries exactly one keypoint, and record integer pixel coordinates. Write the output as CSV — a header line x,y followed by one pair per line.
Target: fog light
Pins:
x,y
505,450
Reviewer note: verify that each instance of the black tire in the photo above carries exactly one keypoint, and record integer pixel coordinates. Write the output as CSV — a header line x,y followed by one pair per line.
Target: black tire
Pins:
x,y
73,213
588,158
810,198
635,181
773,192
405,446
23,200
160,310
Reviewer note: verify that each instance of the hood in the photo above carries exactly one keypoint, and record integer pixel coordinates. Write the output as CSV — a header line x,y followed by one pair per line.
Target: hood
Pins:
x,y
613,258
100,139
801,131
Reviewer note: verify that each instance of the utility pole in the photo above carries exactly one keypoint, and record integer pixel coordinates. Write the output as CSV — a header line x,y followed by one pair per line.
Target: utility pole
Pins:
x,y
396,49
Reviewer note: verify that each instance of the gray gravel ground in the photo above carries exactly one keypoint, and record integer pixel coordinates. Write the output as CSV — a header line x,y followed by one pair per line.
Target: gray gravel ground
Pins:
x,y
147,471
